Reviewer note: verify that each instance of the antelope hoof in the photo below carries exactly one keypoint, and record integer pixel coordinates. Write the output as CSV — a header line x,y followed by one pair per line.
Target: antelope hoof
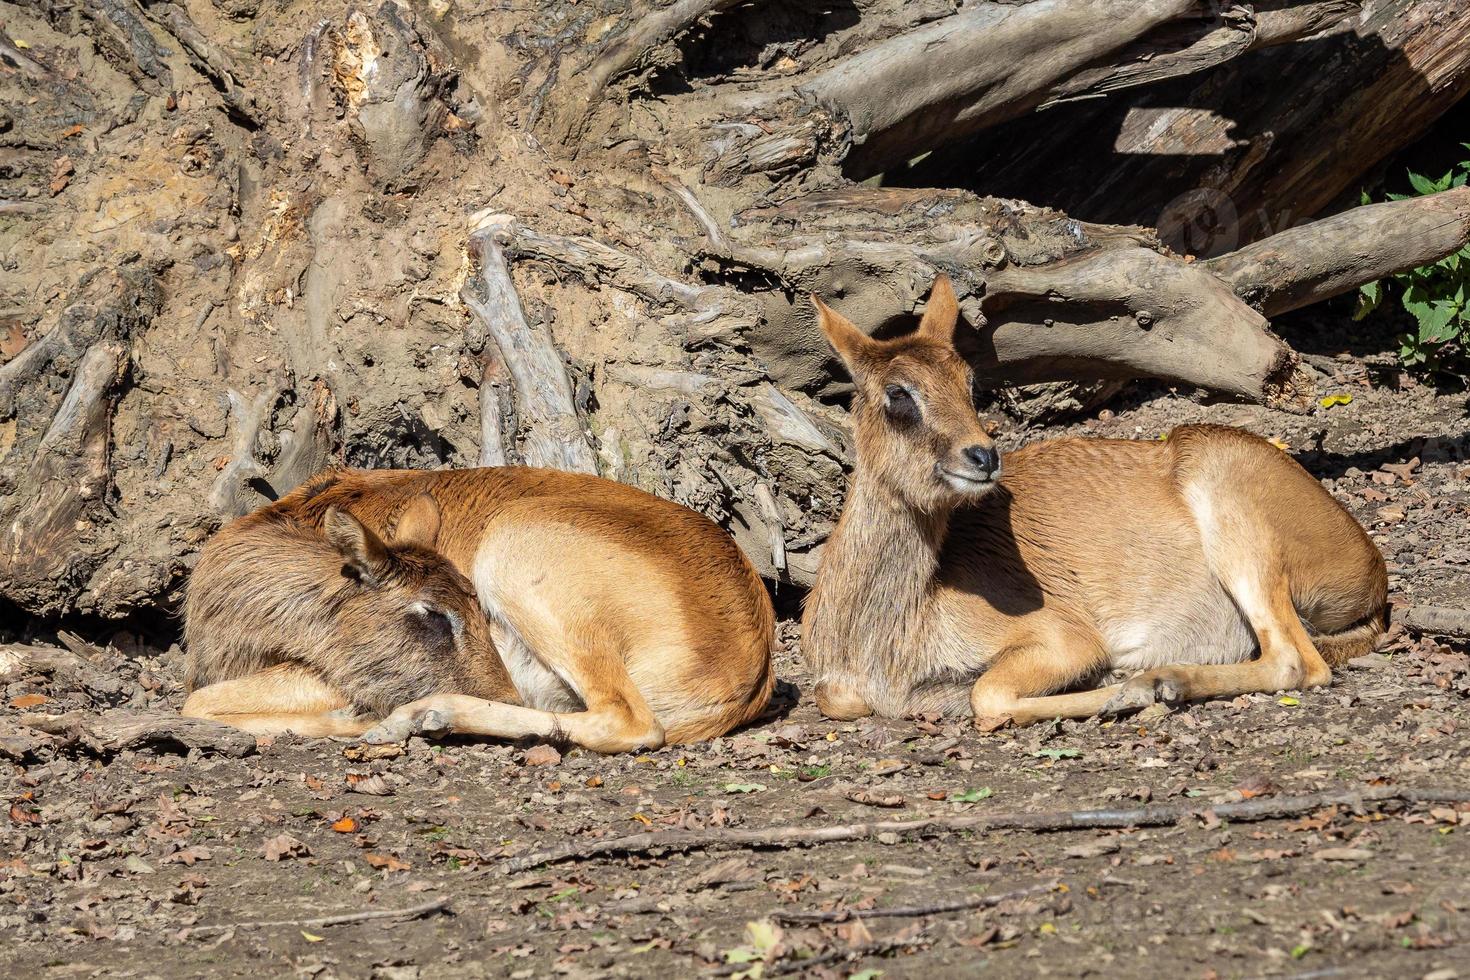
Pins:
x,y
1142,691
408,721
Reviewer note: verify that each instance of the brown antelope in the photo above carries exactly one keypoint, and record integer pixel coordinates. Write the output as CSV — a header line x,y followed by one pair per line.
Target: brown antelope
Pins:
x,y
948,586
503,602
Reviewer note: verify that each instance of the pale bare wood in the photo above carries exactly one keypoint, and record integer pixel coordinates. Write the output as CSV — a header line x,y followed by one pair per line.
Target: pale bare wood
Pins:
x,y
1435,620
1322,259
323,921
805,835
554,435
124,728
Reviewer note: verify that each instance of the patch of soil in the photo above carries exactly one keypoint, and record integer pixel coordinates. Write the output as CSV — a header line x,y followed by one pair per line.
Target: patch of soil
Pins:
x,y
113,858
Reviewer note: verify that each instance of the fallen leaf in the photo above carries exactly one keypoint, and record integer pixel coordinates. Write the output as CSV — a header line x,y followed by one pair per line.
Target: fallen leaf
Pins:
x,y
744,788
346,825
29,701
23,814
1257,786
972,795
873,799
136,865
1331,401
1288,701
188,855
311,937
284,846
386,861
1092,849
368,785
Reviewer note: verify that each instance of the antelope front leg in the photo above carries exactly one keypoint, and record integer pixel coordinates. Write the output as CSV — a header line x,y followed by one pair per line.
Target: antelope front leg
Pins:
x,y
608,725
440,714
1019,683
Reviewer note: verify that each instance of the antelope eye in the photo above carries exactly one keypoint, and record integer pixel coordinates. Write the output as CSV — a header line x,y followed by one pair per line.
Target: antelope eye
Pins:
x,y
900,403
436,623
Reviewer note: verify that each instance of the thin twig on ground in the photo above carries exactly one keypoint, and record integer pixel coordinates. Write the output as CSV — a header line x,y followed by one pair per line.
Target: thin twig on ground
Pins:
x,y
413,912
1158,815
910,911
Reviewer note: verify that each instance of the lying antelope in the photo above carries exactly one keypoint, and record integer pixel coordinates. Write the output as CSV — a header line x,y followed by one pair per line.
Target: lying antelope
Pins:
x,y
502,602
947,585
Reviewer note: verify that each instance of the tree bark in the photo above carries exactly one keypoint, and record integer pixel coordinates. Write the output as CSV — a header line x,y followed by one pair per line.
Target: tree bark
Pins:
x,y
235,248
1255,146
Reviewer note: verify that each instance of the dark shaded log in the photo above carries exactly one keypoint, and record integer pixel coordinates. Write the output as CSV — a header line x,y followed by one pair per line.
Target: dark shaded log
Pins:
x,y
1253,147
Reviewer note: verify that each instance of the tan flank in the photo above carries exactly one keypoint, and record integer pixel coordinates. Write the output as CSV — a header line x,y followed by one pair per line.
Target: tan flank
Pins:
x,y
504,602
950,585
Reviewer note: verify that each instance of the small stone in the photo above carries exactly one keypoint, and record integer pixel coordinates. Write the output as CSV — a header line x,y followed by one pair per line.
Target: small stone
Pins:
x,y
542,755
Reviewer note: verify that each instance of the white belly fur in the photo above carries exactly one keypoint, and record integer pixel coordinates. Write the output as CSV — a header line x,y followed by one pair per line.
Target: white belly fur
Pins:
x,y
1208,631
537,683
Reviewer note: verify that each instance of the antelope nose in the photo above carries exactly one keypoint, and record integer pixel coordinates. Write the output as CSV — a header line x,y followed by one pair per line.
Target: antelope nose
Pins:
x,y
986,459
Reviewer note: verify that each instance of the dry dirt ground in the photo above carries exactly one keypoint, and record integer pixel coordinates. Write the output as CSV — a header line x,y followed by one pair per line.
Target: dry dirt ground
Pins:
x,y
113,859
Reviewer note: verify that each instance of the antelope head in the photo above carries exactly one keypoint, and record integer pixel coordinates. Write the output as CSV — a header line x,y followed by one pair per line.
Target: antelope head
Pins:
x,y
918,434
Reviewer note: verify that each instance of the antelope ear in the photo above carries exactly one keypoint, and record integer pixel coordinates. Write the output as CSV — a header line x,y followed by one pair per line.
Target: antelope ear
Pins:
x,y
418,525
942,312
363,552
850,343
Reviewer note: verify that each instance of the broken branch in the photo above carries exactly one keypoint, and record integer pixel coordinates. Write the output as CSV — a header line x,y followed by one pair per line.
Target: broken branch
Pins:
x,y
1132,311
543,392
1316,261
123,728
1436,620
413,912
796,835
911,911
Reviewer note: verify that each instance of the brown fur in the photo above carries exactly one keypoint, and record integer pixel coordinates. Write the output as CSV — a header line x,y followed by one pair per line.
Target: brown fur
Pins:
x,y
1179,559
630,620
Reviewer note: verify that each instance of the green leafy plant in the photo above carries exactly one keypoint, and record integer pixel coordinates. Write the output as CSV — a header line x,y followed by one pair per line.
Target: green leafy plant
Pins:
x,y
1437,295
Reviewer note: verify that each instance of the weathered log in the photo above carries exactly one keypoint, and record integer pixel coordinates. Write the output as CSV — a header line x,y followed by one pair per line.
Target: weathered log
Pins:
x,y
1185,48
987,63
1326,258
1133,312
1227,157
124,728
646,314
56,405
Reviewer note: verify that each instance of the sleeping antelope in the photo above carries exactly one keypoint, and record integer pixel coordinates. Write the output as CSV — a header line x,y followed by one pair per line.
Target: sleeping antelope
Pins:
x,y
504,602
948,585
